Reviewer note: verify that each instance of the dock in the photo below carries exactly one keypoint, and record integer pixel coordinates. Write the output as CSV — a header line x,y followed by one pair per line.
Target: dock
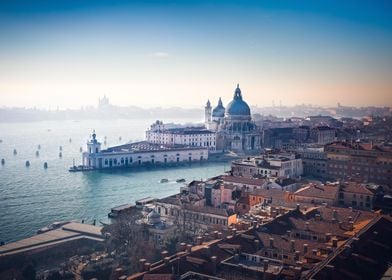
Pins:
x,y
121,209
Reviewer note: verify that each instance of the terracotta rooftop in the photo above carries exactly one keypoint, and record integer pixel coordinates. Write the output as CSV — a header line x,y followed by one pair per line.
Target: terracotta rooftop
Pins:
x,y
242,180
207,209
318,191
353,187
366,257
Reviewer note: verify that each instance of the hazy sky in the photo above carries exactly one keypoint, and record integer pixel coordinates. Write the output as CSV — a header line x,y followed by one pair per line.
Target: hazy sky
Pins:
x,y
180,53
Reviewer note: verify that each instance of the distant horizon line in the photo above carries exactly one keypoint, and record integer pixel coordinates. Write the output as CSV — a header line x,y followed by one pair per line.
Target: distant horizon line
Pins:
x,y
82,107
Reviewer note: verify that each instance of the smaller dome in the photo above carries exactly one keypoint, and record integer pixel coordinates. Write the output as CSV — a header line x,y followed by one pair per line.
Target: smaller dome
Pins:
x,y
153,217
219,110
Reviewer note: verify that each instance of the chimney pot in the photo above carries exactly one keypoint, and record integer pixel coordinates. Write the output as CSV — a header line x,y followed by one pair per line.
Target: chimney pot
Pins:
x,y
141,264
182,246
305,248
147,266
257,244
297,253
265,265
292,245
213,261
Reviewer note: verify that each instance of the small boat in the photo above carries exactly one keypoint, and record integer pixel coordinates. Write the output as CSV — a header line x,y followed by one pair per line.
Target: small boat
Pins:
x,y
61,148
43,230
164,180
1,141
182,180
80,168
70,140
119,138
60,154
15,152
39,147
27,163
2,161
37,153
45,165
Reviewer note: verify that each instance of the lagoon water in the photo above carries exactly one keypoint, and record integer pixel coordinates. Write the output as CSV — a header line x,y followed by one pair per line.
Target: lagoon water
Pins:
x,y
33,197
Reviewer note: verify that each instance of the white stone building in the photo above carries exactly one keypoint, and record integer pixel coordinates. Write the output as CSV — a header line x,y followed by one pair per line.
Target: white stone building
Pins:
x,y
189,136
140,153
279,165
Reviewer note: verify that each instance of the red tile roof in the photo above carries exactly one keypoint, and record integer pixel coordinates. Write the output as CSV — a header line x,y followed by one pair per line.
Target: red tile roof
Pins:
x,y
318,191
242,180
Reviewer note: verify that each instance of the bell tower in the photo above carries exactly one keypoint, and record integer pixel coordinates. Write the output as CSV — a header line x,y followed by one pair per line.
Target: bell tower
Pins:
x,y
207,114
93,146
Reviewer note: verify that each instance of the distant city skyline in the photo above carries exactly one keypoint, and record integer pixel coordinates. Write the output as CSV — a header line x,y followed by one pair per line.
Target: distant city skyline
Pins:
x,y
173,53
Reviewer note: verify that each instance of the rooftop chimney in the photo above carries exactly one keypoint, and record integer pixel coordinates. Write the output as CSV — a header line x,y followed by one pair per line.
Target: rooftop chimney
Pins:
x,y
207,250
271,242
296,256
188,248
256,242
141,264
265,265
306,248
213,261
182,246
335,214
147,266
292,245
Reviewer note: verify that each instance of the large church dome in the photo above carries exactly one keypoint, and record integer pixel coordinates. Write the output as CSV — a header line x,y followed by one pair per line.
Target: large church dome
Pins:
x,y
219,111
237,107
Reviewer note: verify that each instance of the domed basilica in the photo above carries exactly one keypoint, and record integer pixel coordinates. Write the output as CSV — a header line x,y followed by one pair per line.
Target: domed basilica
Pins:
x,y
234,126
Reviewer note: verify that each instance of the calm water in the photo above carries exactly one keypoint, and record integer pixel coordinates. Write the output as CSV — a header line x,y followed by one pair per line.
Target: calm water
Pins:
x,y
32,197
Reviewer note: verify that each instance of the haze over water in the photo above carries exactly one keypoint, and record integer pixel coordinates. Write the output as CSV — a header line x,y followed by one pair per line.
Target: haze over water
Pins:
x,y
32,197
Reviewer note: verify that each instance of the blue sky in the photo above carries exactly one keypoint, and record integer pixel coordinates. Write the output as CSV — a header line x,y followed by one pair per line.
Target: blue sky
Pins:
x,y
163,53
